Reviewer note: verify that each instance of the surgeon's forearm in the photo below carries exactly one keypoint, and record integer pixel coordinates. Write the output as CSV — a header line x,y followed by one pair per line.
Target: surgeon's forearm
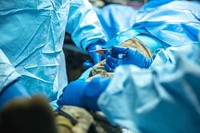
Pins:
x,y
83,24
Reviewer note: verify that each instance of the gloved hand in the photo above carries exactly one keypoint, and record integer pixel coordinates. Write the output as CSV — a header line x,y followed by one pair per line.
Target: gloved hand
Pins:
x,y
94,55
121,55
88,64
12,91
84,94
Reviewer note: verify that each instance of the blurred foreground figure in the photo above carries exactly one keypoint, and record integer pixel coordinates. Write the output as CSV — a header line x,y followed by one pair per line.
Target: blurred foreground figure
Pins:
x,y
34,115
27,116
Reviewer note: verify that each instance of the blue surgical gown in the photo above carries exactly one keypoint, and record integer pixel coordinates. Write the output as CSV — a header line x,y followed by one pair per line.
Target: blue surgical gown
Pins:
x,y
162,99
116,18
32,34
8,73
10,88
161,24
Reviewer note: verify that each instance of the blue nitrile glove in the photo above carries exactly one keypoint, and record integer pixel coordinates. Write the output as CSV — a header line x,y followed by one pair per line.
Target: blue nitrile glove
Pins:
x,y
12,91
121,55
88,64
84,94
94,55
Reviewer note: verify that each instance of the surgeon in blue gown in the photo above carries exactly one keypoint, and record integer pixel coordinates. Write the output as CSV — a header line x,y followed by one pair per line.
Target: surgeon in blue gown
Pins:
x,y
32,35
158,24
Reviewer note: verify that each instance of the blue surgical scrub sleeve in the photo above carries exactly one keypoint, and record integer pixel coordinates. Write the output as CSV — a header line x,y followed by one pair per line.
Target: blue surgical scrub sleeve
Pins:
x,y
8,73
162,99
83,24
